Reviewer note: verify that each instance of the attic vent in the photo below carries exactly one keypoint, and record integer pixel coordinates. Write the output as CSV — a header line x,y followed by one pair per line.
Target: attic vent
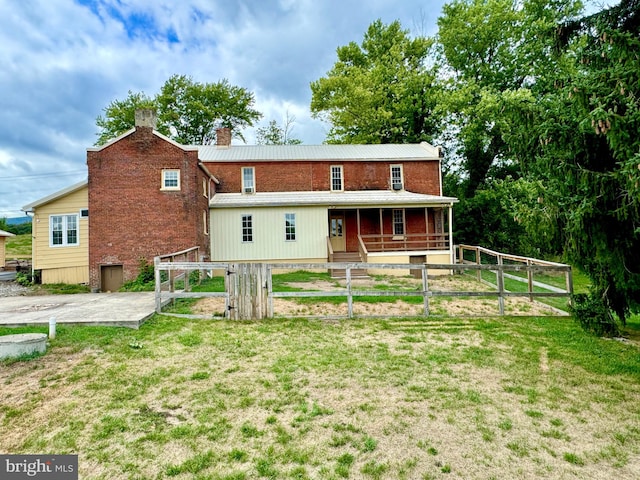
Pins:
x,y
84,213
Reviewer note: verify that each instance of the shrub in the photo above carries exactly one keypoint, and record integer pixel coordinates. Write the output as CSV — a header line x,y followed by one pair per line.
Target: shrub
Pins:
x,y
594,315
145,281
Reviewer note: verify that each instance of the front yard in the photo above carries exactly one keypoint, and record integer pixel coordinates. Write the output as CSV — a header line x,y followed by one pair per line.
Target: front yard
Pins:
x,y
416,398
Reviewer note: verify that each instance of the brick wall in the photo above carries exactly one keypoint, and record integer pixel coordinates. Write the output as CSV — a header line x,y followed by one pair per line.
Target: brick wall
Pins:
x,y
130,217
419,176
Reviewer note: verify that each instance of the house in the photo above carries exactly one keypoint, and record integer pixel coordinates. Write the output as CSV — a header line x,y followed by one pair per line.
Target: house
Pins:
x,y
60,232
3,236
147,195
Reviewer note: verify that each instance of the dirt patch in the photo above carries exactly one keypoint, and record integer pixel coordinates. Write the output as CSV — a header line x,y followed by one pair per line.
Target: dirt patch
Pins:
x,y
438,305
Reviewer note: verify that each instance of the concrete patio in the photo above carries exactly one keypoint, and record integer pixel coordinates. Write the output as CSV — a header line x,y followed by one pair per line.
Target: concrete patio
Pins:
x,y
104,309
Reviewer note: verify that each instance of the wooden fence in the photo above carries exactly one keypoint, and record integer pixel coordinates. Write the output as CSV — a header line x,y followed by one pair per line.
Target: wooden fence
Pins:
x,y
249,292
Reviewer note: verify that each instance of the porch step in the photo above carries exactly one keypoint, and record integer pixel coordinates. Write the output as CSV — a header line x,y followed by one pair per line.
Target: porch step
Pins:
x,y
348,257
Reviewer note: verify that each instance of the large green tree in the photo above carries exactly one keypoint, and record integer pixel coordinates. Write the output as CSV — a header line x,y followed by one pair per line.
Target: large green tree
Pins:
x,y
189,112
586,151
274,134
490,48
381,91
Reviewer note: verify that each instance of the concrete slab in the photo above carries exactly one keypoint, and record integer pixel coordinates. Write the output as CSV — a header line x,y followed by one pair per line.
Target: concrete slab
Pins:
x,y
126,309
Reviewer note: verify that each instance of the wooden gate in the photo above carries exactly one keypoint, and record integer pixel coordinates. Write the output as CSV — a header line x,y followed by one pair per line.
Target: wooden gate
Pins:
x,y
247,287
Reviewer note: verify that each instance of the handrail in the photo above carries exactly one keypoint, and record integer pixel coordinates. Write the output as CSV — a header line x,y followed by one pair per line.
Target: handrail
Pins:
x,y
413,241
330,249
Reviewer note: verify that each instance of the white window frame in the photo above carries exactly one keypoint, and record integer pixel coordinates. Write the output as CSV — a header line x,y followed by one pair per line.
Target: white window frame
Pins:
x,y
247,227
336,174
397,179
398,221
290,227
248,186
64,223
166,174
205,221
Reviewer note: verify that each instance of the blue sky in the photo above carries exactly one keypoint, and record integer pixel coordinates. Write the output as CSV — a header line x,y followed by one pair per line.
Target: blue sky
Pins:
x,y
62,62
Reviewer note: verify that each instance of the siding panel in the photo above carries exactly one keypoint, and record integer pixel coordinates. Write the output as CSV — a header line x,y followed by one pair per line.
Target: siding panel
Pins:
x,y
269,234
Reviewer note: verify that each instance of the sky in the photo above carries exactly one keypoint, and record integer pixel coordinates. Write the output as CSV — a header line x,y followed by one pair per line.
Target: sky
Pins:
x,y
63,61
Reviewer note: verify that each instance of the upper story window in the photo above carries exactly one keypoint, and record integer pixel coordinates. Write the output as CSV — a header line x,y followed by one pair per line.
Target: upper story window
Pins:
x,y
397,180
63,230
290,227
247,228
248,180
170,179
337,182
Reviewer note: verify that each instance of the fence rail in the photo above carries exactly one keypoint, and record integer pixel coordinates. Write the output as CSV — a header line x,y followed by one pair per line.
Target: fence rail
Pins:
x,y
249,291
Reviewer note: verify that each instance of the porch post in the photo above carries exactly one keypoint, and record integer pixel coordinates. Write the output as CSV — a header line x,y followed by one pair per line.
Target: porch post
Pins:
x,y
451,249
426,226
381,231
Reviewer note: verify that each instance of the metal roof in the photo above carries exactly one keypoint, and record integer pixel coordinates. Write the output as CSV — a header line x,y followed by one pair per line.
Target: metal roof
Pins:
x,y
6,234
237,153
368,198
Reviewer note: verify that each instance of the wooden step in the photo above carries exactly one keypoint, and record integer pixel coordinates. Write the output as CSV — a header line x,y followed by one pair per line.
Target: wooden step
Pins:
x,y
347,257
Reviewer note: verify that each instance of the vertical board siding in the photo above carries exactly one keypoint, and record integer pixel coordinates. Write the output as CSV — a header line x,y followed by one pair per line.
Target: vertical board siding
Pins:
x,y
268,234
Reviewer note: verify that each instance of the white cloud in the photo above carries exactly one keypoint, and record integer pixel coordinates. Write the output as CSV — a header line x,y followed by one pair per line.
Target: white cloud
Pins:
x,y
64,61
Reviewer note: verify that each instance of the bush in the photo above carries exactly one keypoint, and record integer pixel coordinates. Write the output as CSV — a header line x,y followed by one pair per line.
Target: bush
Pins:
x,y
24,278
144,282
594,315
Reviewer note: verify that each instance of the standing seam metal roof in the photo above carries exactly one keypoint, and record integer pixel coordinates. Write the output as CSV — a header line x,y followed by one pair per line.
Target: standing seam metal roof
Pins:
x,y
422,151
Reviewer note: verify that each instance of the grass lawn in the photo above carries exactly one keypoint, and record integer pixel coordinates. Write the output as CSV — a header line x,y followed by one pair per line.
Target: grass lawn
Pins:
x,y
18,247
504,398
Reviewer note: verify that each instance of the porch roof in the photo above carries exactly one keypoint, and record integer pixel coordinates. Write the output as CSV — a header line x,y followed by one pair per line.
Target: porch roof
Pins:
x,y
348,199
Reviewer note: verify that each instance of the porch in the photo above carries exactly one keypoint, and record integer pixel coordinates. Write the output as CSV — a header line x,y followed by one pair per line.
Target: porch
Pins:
x,y
398,234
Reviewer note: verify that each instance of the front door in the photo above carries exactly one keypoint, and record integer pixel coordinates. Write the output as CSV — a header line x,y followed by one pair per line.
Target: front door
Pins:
x,y
336,231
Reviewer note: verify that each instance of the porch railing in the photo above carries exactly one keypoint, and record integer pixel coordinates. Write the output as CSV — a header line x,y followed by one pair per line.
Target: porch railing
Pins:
x,y
405,243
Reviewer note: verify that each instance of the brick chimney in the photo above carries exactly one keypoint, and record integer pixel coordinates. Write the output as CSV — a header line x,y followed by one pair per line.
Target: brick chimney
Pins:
x,y
223,137
146,117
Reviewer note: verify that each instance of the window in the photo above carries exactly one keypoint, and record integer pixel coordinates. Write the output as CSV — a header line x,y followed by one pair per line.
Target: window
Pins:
x,y
247,228
205,184
205,222
398,222
84,213
248,180
64,230
396,177
336,178
170,179
290,227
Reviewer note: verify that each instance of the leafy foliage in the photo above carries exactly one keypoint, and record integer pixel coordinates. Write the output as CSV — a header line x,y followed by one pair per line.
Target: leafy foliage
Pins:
x,y
380,91
273,134
189,112
594,315
145,281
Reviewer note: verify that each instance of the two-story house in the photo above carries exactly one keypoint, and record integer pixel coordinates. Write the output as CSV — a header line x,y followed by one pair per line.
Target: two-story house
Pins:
x,y
148,195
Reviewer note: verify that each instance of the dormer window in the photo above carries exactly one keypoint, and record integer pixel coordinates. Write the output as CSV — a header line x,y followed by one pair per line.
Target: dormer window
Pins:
x,y
337,184
397,180
170,180
248,180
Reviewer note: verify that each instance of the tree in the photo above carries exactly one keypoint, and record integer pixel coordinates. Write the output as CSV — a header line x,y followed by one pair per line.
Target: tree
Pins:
x,y
490,48
587,151
380,91
273,134
188,112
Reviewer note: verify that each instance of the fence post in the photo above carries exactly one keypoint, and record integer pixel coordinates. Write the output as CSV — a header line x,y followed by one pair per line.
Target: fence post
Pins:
x,y
569,281
478,262
425,290
500,282
530,279
349,296
158,287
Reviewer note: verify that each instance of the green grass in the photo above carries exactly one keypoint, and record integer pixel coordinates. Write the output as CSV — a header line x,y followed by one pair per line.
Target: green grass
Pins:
x,y
18,247
388,398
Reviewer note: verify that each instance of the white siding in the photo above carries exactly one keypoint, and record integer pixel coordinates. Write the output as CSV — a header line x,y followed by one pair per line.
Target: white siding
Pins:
x,y
268,234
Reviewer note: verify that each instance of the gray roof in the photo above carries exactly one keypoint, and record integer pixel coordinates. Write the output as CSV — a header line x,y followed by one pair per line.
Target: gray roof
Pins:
x,y
6,234
352,199
237,153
